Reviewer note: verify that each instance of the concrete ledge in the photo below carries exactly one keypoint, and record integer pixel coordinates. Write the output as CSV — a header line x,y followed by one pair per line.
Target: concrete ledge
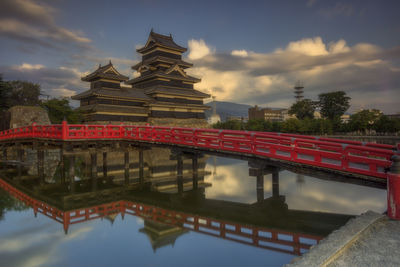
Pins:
x,y
333,245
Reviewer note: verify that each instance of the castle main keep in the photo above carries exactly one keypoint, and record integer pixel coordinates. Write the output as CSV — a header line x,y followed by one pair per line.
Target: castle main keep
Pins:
x,y
162,94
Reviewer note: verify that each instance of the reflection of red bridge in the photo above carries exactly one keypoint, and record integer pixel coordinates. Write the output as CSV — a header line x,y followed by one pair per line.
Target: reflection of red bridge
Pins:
x,y
272,239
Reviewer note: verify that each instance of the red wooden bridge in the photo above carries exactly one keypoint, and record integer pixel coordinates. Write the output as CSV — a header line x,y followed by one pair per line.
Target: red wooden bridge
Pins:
x,y
347,156
353,157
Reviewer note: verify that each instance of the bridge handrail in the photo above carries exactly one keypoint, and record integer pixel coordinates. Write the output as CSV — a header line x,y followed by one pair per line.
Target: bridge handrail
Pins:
x,y
345,155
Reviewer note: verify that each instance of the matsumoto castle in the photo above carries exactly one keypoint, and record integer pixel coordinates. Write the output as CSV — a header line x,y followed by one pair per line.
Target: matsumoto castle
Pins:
x,y
162,94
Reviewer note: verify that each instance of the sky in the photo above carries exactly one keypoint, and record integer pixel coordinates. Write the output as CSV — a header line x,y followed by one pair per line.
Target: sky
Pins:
x,y
249,52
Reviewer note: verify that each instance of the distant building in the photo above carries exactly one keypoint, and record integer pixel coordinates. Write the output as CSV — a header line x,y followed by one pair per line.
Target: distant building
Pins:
x,y
162,94
271,114
345,118
393,116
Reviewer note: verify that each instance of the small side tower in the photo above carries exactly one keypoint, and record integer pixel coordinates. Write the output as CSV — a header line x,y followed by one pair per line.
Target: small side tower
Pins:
x,y
298,91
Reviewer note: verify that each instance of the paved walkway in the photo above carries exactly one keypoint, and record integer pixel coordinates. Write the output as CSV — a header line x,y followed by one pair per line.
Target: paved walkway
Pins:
x,y
370,239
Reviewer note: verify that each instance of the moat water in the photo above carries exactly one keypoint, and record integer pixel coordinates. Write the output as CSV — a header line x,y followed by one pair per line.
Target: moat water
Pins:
x,y
222,218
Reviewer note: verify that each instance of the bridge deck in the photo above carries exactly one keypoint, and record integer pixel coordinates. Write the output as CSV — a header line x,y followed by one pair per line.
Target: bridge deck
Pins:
x,y
335,154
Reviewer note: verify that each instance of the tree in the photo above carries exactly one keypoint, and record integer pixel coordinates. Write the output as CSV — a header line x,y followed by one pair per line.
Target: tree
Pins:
x,y
364,119
5,91
14,93
334,104
303,109
386,125
291,126
59,109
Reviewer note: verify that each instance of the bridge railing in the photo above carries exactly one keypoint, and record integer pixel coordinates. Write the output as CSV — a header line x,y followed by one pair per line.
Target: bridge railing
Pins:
x,y
345,155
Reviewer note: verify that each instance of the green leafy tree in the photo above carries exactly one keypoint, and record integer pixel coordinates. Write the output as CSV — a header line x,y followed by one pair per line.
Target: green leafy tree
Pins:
x,y
334,104
5,92
59,109
364,119
291,126
303,109
14,93
255,125
387,125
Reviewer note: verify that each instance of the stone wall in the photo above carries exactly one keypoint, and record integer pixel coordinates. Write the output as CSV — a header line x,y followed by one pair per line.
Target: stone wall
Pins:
x,y
26,115
171,122
190,123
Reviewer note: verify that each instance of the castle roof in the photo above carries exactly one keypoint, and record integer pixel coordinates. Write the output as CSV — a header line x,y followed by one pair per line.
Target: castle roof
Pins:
x,y
159,40
108,71
128,93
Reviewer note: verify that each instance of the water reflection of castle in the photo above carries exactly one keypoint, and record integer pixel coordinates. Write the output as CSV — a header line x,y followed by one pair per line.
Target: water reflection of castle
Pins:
x,y
166,189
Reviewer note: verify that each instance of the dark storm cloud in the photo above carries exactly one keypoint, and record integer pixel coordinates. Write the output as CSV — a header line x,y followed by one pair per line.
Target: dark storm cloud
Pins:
x,y
34,22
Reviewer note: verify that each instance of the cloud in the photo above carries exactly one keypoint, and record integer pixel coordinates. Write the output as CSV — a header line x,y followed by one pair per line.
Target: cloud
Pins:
x,y
308,46
240,53
198,49
56,82
27,20
368,73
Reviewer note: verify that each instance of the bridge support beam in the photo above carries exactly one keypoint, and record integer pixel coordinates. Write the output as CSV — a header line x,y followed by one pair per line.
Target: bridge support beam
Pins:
x,y
275,183
40,165
93,172
20,155
126,166
71,174
4,158
62,166
179,168
195,168
393,189
141,166
260,187
105,164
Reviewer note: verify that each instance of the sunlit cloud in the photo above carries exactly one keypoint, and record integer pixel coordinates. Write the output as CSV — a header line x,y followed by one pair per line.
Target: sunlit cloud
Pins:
x,y
268,78
240,53
198,49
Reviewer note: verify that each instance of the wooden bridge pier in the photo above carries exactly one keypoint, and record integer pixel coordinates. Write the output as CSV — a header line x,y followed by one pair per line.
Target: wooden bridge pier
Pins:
x,y
259,169
179,172
20,159
71,174
4,159
195,169
126,166
93,172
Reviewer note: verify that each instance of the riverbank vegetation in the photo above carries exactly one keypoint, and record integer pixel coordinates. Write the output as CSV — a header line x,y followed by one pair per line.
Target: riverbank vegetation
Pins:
x,y
330,107
382,126
24,93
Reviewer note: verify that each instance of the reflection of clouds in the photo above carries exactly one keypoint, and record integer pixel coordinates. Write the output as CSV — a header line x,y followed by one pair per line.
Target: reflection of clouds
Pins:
x,y
139,221
232,182
38,244
330,196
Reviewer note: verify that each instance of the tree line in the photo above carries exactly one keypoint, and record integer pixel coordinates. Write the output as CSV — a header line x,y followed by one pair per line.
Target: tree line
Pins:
x,y
331,106
22,93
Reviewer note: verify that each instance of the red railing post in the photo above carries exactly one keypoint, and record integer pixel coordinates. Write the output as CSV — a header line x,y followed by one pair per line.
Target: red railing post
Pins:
x,y
393,189
64,130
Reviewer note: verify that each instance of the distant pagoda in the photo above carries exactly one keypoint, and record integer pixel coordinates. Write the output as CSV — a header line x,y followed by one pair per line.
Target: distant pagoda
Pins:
x,y
298,91
163,94
163,78
107,101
